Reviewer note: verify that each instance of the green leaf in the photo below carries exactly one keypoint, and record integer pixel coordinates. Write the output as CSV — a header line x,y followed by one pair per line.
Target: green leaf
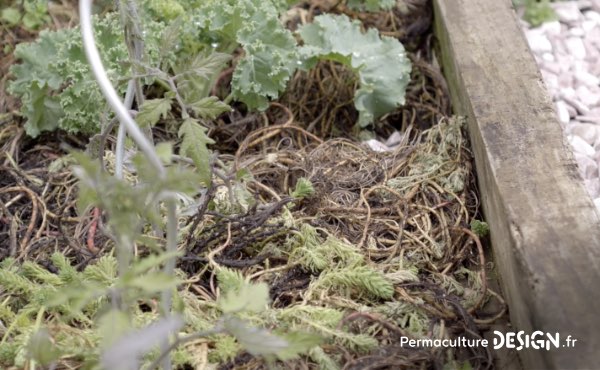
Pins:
x,y
255,340
196,76
11,15
371,5
42,349
298,343
229,280
380,62
149,262
303,189
152,110
154,282
53,77
164,151
480,228
195,145
270,49
113,325
249,298
261,342
210,107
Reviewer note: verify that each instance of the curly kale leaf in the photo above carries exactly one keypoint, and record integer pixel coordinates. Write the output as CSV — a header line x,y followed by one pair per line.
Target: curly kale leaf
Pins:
x,y
271,52
55,83
381,62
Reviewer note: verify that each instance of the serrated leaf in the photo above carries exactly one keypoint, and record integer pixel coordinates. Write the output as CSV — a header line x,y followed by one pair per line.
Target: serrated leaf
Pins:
x,y
154,282
303,189
194,145
152,110
255,340
210,107
164,151
112,325
249,297
261,342
298,343
203,66
126,352
380,62
41,347
149,262
54,81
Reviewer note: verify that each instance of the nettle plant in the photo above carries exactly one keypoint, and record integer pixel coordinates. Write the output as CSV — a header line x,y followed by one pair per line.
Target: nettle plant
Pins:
x,y
181,52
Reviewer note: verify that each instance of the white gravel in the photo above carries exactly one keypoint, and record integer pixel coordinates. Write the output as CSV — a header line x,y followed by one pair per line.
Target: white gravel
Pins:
x,y
568,53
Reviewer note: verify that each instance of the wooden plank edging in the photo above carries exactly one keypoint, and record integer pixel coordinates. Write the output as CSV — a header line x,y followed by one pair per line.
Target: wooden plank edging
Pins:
x,y
544,227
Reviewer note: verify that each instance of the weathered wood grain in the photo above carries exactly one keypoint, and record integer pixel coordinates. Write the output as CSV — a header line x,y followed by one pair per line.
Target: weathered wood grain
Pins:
x,y
544,228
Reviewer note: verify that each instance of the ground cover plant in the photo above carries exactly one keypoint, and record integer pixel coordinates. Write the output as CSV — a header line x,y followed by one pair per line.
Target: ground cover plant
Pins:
x,y
244,225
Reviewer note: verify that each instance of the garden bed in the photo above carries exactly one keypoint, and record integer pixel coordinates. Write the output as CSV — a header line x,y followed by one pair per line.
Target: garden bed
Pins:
x,y
360,247
544,228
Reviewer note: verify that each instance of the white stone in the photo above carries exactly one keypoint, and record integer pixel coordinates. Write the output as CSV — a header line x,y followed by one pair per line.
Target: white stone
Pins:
x,y
589,119
587,78
575,103
576,47
565,81
592,16
588,25
567,12
394,139
597,204
563,112
584,4
552,28
588,168
576,31
538,42
572,111
588,96
376,145
580,146
595,5
590,133
551,80
548,57
568,93
593,186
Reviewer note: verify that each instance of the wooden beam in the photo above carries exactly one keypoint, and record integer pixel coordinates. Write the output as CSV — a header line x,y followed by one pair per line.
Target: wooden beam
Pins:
x,y
544,227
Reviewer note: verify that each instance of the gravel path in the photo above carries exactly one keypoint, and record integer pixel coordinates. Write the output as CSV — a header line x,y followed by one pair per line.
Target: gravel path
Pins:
x,y
568,53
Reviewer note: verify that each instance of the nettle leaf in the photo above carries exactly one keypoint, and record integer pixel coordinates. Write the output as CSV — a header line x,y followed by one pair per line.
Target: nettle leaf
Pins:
x,y
152,110
261,342
380,62
196,76
42,348
195,145
249,297
112,325
153,283
164,151
127,351
210,107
